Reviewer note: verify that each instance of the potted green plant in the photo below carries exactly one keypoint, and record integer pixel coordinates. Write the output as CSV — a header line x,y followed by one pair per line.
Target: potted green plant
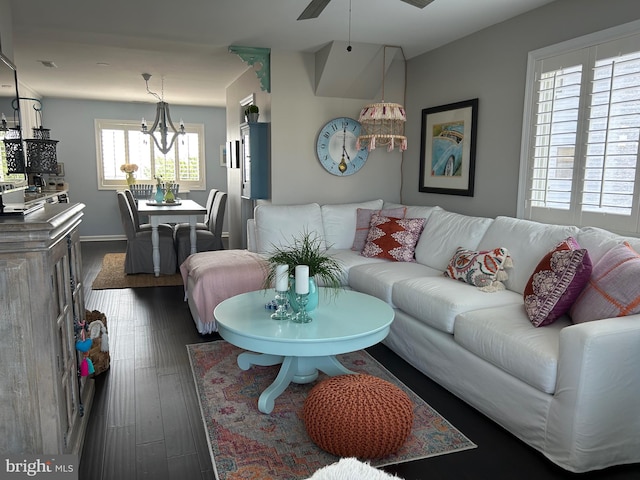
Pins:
x,y
251,113
306,250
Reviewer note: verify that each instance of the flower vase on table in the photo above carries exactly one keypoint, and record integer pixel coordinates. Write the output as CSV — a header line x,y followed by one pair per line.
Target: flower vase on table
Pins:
x,y
169,197
159,194
131,180
129,169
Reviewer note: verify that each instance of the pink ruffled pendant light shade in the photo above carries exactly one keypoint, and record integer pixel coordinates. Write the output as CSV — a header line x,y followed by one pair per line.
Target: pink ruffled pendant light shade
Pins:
x,y
382,124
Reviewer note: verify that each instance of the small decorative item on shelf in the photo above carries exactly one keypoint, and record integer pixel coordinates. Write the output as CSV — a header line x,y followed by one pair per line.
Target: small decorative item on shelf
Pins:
x,y
306,250
252,112
129,169
159,191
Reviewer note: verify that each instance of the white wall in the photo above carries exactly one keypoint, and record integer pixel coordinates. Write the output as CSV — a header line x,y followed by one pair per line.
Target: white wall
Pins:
x,y
6,29
72,123
491,65
297,116
239,209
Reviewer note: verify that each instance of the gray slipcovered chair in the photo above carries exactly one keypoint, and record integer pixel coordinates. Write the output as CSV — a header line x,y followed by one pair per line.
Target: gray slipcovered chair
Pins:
x,y
139,254
207,240
133,204
200,225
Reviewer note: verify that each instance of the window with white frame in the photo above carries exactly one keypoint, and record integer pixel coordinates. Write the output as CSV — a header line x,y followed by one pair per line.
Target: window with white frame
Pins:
x,y
122,141
581,134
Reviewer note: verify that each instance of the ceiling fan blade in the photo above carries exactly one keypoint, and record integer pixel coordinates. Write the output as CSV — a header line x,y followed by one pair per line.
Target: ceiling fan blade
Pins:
x,y
418,3
314,9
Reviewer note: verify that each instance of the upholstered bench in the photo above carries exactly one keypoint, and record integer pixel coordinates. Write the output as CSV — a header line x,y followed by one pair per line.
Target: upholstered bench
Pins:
x,y
358,416
211,277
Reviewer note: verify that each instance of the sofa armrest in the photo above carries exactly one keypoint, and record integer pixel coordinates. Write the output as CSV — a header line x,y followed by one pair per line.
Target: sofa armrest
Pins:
x,y
251,235
596,406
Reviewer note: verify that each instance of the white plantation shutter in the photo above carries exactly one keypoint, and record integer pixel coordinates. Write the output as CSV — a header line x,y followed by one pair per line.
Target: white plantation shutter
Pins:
x,y
581,136
120,142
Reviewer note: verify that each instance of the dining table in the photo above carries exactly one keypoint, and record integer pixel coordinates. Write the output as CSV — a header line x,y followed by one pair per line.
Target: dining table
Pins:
x,y
186,211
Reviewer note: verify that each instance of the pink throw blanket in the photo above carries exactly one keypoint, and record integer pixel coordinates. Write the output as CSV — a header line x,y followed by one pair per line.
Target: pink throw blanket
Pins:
x,y
219,275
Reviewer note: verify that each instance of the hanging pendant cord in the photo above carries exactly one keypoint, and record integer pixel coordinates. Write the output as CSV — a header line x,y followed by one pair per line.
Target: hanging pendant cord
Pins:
x,y
384,64
349,48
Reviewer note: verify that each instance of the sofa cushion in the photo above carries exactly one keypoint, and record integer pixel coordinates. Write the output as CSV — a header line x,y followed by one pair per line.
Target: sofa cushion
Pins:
x,y
393,238
505,337
348,259
484,269
437,300
444,232
527,242
378,278
556,282
613,289
278,225
598,241
339,222
363,219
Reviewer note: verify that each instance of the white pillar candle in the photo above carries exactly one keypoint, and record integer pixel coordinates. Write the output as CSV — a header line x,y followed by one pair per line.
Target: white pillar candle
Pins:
x,y
282,278
302,279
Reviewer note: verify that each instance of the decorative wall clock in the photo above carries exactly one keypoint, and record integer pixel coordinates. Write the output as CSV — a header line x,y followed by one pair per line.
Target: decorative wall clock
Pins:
x,y
336,147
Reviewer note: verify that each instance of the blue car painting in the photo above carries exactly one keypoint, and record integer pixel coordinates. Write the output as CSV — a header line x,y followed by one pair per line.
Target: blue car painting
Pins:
x,y
447,150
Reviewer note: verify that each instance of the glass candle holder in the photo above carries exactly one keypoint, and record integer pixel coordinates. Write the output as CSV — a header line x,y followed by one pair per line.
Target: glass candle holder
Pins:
x,y
302,316
282,304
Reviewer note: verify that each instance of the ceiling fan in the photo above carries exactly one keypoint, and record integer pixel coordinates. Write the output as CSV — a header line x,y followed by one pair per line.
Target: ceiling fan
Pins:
x,y
315,8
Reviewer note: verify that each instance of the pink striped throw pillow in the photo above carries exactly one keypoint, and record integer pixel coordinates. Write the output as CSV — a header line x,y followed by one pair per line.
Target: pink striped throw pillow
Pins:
x,y
613,289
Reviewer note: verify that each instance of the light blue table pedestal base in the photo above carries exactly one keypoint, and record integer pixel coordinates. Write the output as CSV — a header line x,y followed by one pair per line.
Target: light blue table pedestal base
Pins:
x,y
294,369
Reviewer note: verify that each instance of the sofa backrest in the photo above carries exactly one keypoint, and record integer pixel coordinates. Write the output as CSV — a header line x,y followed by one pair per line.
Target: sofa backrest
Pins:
x,y
279,225
527,242
598,242
444,232
339,222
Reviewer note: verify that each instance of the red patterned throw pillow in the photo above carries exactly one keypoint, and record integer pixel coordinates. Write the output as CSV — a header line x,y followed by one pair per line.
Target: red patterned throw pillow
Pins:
x,y
556,282
484,269
393,238
363,219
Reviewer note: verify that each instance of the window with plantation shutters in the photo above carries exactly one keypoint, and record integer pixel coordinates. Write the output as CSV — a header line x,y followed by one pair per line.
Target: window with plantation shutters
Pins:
x,y
581,134
119,142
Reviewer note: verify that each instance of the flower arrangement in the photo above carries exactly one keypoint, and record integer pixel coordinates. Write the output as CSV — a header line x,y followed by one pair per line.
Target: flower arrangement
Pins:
x,y
129,168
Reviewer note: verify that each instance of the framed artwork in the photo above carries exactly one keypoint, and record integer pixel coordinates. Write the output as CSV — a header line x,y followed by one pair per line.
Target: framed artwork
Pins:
x,y
448,148
223,155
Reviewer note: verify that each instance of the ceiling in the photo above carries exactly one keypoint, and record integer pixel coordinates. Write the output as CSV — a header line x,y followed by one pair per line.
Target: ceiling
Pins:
x,y
100,48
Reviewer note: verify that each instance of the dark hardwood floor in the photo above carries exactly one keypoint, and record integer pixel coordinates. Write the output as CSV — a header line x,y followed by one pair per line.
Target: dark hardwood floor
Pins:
x,y
145,421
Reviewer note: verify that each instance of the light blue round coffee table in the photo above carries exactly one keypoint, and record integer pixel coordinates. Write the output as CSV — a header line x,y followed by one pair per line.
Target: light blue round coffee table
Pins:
x,y
342,323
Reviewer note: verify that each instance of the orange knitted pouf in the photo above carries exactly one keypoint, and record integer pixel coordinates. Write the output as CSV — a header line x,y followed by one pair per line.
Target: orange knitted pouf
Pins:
x,y
358,416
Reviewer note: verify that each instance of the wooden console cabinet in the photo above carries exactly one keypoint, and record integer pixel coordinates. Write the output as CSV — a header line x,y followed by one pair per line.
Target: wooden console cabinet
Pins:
x,y
44,404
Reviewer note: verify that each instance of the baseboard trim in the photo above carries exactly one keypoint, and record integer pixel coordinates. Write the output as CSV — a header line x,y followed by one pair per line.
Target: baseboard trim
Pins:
x,y
102,238
111,238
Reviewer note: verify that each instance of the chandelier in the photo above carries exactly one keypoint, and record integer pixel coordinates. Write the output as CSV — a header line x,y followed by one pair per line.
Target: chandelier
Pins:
x,y
162,123
382,123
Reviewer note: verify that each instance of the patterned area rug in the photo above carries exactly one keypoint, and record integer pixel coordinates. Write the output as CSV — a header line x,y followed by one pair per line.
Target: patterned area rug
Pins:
x,y
112,275
245,443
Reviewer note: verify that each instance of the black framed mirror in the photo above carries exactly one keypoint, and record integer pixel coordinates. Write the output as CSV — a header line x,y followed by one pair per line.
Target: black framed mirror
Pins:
x,y
10,130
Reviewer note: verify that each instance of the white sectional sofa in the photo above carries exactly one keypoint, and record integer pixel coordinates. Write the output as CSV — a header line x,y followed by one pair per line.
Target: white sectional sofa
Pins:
x,y
571,391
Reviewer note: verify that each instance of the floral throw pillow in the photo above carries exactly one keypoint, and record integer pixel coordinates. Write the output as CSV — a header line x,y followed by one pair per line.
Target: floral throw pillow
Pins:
x,y
484,269
556,282
363,219
393,238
